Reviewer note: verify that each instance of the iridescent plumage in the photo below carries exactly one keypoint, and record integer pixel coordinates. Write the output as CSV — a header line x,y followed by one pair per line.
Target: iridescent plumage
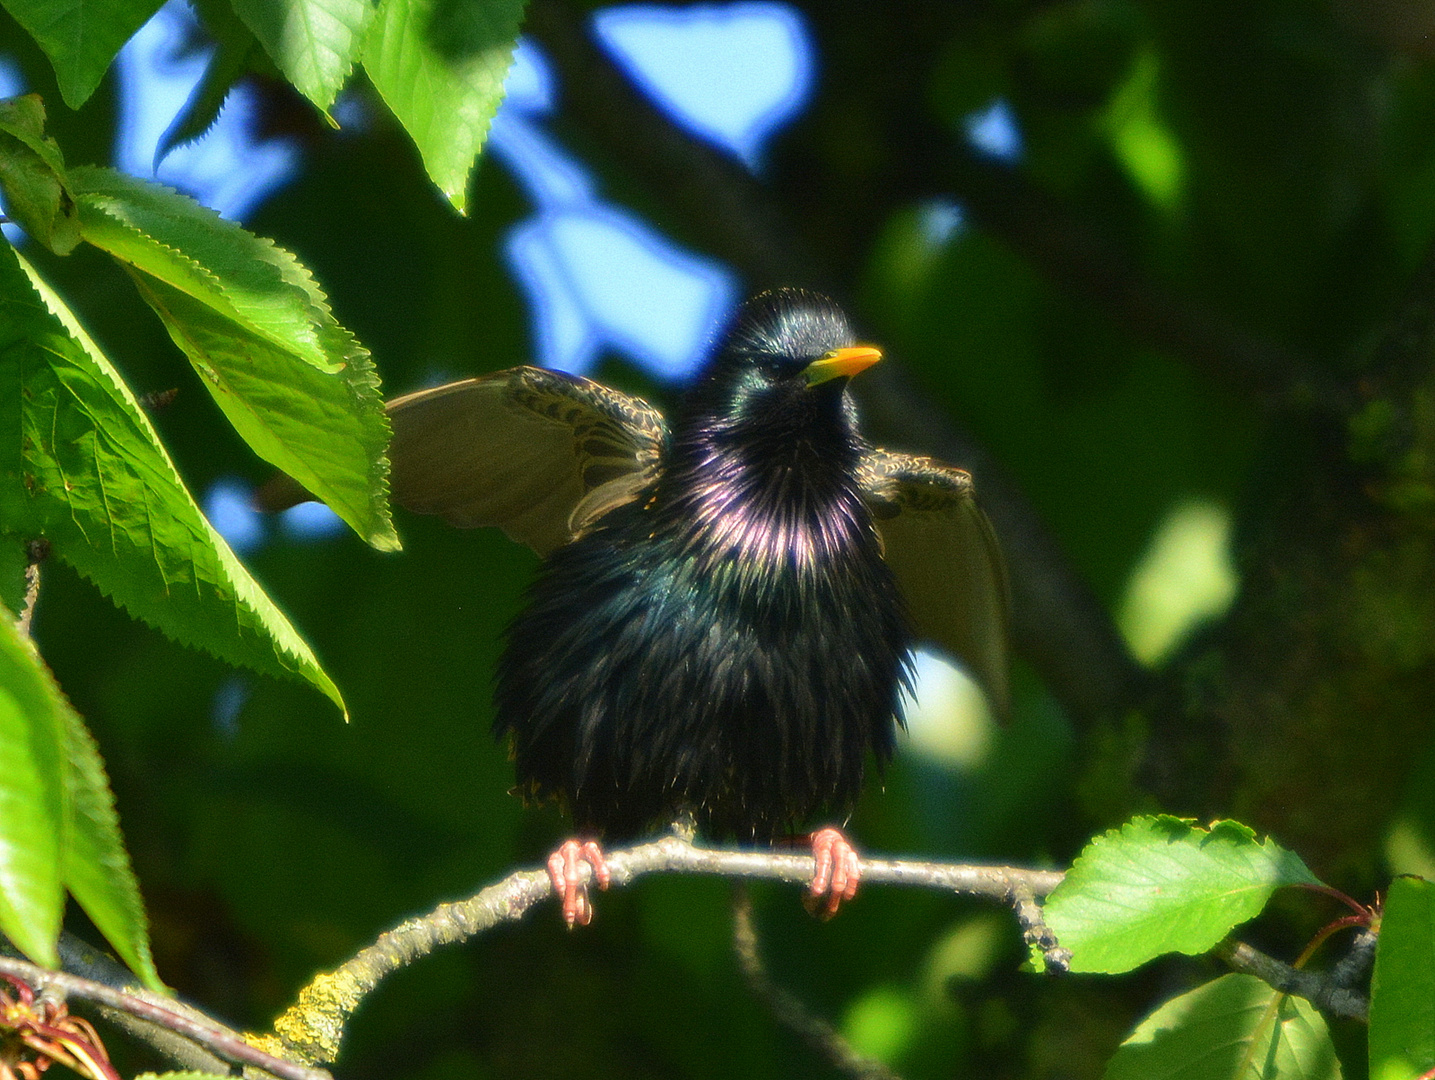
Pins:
x,y
722,625
730,642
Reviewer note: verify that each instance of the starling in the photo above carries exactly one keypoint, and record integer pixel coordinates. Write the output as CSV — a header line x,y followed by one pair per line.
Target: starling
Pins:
x,y
721,629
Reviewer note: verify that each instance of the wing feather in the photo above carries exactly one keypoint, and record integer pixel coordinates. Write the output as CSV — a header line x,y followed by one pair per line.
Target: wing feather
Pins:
x,y
520,449
946,559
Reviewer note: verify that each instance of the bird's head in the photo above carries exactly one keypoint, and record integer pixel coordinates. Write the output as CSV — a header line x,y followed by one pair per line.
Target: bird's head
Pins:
x,y
783,366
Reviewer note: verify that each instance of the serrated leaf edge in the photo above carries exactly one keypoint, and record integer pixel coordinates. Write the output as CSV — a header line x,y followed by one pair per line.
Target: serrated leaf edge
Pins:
x,y
296,657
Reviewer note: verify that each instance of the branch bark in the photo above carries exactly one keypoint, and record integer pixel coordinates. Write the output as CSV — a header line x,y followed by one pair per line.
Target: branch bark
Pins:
x,y
196,1027
81,959
314,1026
1086,265
309,1033
1323,992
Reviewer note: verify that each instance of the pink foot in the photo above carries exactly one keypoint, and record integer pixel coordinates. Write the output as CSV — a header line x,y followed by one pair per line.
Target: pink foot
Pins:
x,y
565,870
836,875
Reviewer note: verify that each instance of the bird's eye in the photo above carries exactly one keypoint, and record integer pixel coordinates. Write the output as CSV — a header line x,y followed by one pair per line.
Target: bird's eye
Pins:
x,y
777,368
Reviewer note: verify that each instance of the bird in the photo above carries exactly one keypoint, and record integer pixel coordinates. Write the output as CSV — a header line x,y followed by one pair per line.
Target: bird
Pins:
x,y
721,632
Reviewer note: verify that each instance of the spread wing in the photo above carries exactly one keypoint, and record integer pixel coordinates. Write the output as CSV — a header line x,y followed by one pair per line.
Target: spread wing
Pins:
x,y
944,554
539,453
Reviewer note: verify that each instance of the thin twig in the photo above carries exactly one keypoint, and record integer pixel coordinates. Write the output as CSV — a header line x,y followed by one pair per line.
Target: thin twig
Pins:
x,y
787,1009
1357,908
79,958
1036,933
227,1044
314,1025
311,1030
1322,991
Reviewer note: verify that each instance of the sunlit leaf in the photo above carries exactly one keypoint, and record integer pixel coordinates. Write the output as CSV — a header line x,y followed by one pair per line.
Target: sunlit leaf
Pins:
x,y
95,865
81,37
440,67
32,798
233,45
313,42
32,176
94,480
1142,140
1159,885
58,826
258,330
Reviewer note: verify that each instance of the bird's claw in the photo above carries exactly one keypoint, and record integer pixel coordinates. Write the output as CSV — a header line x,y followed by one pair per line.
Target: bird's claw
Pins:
x,y
836,874
565,871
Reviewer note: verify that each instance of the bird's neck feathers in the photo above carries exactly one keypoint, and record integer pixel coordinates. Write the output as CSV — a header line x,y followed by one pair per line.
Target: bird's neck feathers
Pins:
x,y
773,487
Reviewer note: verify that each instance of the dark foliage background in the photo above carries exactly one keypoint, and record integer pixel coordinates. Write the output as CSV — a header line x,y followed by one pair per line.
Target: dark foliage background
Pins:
x,y
1096,349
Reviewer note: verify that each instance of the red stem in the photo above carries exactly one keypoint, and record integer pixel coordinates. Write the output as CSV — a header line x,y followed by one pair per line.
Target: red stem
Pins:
x,y
1354,905
1326,931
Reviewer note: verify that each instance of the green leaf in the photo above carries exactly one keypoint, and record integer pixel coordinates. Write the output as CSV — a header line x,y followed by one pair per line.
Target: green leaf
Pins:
x,y
32,174
258,330
94,479
181,1076
32,798
313,42
1235,1028
169,235
440,66
81,37
57,819
234,45
1160,885
1402,990
96,866
14,560
1142,140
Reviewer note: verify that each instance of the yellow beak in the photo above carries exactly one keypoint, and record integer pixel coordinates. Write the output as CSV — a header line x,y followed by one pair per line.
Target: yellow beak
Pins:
x,y
841,362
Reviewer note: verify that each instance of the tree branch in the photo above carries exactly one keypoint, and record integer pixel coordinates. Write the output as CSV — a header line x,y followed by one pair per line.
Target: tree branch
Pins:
x,y
787,1009
1058,624
314,1026
311,1030
1356,964
1036,933
79,958
731,213
1322,991
198,1028
707,194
